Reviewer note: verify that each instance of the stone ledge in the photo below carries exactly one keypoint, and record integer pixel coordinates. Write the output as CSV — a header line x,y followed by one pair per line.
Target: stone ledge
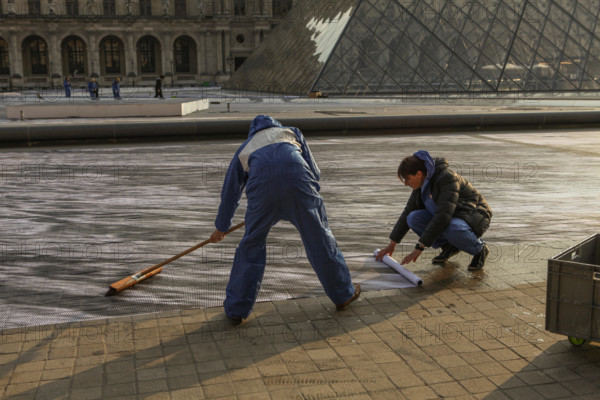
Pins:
x,y
105,109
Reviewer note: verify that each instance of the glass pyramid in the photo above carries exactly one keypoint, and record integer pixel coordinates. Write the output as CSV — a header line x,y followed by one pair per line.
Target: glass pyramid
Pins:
x,y
358,47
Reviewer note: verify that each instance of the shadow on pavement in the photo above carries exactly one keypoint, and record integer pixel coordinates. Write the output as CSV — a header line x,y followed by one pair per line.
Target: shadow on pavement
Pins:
x,y
560,371
199,348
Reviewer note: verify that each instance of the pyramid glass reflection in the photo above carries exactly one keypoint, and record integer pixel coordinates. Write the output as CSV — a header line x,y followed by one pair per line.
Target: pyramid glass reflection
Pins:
x,y
345,47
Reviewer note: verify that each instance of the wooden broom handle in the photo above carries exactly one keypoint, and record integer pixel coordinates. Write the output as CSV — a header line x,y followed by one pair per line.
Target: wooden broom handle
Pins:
x,y
155,269
183,253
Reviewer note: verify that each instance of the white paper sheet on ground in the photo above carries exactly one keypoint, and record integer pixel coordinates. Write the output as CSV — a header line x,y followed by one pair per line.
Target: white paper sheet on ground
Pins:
x,y
373,274
389,261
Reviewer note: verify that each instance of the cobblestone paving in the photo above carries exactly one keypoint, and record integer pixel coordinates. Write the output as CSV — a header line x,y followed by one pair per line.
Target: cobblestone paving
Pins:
x,y
449,342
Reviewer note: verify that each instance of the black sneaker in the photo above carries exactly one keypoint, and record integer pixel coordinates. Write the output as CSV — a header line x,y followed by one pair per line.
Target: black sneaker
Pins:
x,y
478,260
447,251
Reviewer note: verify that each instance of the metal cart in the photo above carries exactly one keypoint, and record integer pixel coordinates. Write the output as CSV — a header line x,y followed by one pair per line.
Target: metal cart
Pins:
x,y
573,292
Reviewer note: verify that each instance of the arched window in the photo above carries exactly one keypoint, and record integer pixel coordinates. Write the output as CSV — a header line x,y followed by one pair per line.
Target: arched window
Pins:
x,y
239,7
109,8
72,8
111,49
145,8
34,7
180,8
74,53
148,48
4,63
184,50
36,55
281,7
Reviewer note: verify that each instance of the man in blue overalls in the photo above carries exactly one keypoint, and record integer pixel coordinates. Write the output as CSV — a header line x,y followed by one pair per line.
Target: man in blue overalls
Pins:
x,y
281,177
116,88
68,86
93,89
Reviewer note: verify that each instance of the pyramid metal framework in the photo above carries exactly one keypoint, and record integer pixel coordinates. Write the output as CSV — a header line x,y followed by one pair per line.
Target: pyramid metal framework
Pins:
x,y
345,47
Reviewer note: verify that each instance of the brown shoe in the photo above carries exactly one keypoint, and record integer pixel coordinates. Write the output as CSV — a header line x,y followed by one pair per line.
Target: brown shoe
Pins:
x,y
345,304
235,321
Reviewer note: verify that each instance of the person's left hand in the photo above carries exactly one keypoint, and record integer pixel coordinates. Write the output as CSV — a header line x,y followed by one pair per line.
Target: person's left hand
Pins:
x,y
412,256
217,236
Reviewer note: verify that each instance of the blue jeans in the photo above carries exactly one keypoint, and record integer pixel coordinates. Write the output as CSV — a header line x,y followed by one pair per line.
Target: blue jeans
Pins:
x,y
458,233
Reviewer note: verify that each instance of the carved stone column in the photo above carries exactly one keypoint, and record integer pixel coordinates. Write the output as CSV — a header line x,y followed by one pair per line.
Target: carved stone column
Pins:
x,y
201,54
15,54
257,35
54,55
227,58
94,55
130,55
268,8
219,50
166,53
210,43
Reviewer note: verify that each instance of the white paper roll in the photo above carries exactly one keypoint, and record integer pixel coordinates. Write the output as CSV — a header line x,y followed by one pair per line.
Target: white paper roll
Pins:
x,y
395,265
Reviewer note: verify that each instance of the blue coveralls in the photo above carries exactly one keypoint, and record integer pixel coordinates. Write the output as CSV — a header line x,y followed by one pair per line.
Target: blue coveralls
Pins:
x,y
93,89
116,89
280,175
67,86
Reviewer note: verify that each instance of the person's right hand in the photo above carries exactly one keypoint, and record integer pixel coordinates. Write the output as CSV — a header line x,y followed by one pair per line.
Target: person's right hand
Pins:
x,y
389,250
217,236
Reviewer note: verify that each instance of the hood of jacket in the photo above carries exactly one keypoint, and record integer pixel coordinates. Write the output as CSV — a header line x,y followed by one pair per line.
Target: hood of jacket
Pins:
x,y
261,122
429,162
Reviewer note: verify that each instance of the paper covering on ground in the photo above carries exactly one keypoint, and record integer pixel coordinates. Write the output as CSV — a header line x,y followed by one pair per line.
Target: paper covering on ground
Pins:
x,y
390,262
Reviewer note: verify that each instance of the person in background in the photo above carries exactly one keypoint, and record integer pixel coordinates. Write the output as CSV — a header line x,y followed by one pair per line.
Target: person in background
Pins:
x,y
116,88
93,89
67,85
444,209
158,87
280,176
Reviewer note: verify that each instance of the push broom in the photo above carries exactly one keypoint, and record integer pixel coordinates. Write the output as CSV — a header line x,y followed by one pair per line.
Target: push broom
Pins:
x,y
155,269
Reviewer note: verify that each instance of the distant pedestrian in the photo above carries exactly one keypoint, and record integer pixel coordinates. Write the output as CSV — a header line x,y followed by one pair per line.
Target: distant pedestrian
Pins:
x,y
67,85
116,88
93,89
158,87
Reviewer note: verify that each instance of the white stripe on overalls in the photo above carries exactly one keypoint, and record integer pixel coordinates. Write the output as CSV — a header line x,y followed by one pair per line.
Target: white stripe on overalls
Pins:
x,y
264,138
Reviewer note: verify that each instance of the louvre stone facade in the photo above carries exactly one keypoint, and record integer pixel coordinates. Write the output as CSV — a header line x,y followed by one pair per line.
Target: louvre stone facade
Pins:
x,y
191,42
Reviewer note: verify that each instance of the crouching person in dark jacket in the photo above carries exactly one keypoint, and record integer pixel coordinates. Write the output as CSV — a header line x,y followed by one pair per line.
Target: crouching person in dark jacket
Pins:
x,y
444,209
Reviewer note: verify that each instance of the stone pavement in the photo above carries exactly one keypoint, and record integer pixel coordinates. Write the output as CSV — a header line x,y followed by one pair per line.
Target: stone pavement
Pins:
x,y
443,341
460,335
